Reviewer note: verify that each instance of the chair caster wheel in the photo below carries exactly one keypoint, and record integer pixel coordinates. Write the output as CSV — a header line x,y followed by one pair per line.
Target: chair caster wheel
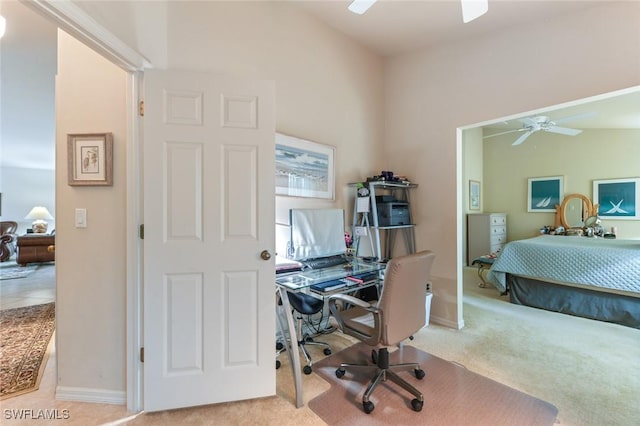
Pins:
x,y
306,370
368,407
279,346
340,372
416,404
419,373
327,351
278,364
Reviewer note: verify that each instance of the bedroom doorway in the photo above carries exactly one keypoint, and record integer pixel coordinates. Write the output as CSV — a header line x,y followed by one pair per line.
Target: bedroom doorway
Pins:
x,y
612,110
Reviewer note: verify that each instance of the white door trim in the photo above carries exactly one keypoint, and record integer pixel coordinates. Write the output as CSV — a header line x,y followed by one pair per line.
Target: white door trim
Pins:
x,y
79,24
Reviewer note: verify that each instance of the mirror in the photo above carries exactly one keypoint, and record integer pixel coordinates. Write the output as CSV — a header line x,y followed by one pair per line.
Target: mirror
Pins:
x,y
574,211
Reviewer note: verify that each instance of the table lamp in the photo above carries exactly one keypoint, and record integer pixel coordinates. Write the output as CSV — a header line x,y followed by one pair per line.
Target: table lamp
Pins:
x,y
39,213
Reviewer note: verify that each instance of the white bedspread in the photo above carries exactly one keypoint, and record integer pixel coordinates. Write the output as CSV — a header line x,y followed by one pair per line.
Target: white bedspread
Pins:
x,y
604,263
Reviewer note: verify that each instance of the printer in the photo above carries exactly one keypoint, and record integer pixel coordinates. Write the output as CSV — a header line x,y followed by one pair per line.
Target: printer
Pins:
x,y
392,212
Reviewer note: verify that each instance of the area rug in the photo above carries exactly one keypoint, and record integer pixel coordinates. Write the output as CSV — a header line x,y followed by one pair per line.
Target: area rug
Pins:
x,y
452,394
13,272
24,336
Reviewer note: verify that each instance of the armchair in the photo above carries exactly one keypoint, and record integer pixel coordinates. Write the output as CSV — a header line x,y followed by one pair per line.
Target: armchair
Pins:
x,y
399,313
7,239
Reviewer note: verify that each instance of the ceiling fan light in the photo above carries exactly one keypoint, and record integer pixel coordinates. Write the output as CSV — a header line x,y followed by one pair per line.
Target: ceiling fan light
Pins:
x,y
472,9
361,6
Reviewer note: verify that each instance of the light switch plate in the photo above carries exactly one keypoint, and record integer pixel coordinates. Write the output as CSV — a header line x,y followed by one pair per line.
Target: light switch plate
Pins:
x,y
81,218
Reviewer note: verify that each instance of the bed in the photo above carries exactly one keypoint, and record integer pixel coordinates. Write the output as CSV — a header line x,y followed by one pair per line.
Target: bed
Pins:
x,y
594,278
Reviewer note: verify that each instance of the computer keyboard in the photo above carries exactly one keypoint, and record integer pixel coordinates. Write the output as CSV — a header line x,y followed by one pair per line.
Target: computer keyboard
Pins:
x,y
325,262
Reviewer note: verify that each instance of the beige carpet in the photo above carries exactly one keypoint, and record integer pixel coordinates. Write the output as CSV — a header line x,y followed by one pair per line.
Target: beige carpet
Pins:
x,y
24,337
453,395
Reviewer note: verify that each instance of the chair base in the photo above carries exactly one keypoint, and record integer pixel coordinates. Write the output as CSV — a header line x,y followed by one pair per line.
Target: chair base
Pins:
x,y
307,369
384,372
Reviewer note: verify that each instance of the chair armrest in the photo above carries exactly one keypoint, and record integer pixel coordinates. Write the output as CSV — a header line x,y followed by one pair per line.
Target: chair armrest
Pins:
x,y
377,314
8,238
354,301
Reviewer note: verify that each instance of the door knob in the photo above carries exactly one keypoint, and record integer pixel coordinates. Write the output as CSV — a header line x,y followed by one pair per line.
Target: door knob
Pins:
x,y
265,255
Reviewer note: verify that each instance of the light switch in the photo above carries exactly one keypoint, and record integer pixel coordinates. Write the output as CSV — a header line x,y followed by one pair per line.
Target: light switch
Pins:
x,y
81,218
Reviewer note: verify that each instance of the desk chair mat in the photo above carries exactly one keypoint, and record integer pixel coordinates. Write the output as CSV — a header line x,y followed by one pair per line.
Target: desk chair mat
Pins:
x,y
453,395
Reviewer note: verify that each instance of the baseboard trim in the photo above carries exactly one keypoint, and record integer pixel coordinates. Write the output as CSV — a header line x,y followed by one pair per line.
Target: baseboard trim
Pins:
x,y
447,323
99,396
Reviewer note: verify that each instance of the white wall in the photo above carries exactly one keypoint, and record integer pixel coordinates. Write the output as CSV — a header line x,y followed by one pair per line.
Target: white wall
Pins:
x,y
27,117
90,262
328,88
432,92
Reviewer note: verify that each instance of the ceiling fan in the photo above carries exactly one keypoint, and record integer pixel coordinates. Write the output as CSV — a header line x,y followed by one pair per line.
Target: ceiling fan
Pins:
x,y
530,125
471,9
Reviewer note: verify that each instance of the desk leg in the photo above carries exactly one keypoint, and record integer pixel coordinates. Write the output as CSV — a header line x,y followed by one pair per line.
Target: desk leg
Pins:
x,y
294,354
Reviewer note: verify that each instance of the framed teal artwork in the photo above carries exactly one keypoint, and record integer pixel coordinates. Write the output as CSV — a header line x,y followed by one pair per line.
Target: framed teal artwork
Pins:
x,y
545,193
617,198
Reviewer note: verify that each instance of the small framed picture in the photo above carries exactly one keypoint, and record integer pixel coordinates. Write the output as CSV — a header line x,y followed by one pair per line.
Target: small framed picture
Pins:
x,y
474,195
617,198
545,193
90,159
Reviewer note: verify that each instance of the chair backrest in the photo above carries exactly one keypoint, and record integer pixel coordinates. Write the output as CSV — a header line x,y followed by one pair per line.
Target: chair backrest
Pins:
x,y
404,296
8,227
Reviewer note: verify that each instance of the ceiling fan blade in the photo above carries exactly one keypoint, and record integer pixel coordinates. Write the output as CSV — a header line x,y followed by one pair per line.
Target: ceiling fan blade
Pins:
x,y
472,9
575,117
502,133
522,138
563,130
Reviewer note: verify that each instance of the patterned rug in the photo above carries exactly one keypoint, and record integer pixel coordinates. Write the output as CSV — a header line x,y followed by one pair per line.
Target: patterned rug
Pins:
x,y
13,271
24,336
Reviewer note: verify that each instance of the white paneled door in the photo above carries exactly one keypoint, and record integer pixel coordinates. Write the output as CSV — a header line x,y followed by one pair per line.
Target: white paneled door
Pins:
x,y
209,308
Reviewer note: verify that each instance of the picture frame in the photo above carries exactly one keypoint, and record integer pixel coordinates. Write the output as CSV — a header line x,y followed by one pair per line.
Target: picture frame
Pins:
x,y
90,159
304,168
544,194
474,195
617,199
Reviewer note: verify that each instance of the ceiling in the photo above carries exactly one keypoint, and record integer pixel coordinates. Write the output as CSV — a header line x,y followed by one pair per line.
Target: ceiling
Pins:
x,y
393,27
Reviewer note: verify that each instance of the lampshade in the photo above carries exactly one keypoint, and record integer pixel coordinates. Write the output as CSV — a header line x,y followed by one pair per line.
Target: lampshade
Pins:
x,y
39,213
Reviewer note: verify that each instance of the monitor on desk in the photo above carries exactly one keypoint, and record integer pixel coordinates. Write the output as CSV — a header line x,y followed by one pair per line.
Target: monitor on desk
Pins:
x,y
316,233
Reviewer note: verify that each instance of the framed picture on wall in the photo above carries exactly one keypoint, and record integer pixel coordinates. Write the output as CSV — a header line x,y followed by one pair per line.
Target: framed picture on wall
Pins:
x,y
474,195
617,198
90,159
304,168
545,193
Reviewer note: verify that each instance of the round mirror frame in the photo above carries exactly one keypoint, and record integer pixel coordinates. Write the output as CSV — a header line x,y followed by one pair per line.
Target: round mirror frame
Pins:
x,y
588,209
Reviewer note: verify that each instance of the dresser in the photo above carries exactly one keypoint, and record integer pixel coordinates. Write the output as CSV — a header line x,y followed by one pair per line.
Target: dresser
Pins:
x,y
36,248
486,233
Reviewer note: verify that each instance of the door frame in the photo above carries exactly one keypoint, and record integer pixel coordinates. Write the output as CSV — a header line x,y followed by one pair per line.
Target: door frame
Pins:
x,y
83,27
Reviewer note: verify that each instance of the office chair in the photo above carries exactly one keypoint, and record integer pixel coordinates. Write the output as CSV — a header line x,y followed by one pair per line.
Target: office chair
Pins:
x,y
304,304
399,313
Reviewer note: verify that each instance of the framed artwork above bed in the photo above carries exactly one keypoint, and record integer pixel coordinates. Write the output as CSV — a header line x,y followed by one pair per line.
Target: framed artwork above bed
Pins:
x,y
544,193
617,198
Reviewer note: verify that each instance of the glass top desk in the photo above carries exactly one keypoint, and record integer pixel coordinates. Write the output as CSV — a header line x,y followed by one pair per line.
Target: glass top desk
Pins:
x,y
346,278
